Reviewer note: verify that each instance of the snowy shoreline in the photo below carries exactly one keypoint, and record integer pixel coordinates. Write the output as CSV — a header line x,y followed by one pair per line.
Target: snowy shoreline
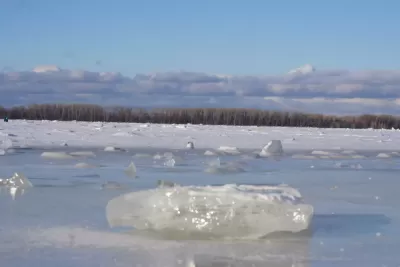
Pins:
x,y
56,134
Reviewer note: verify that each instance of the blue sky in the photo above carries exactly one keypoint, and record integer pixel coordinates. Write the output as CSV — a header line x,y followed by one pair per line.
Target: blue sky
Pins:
x,y
215,36
353,45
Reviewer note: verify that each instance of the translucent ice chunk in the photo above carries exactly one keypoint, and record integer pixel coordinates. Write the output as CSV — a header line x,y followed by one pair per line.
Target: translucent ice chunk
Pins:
x,y
228,211
131,170
273,148
170,162
17,180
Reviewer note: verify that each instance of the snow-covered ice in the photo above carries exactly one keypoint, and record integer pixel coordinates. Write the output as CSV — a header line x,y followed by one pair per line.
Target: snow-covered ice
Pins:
x,y
348,177
87,134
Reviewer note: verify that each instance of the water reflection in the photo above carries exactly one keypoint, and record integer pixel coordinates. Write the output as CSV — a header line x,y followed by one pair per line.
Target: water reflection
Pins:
x,y
134,250
14,192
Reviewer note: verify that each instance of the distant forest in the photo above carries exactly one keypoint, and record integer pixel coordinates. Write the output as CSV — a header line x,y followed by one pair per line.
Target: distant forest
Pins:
x,y
210,116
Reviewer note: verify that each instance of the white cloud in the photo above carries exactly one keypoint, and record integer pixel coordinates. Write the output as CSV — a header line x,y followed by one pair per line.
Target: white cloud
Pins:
x,y
303,89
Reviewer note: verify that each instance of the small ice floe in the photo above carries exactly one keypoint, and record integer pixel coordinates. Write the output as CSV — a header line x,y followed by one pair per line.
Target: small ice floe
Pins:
x,y
157,156
273,148
209,153
164,183
56,155
358,157
338,156
218,167
2,152
114,149
383,156
83,165
131,171
300,156
83,154
170,162
231,150
15,185
322,153
190,145
348,166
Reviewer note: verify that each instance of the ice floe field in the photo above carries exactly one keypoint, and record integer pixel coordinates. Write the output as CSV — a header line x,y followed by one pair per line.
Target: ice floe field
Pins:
x,y
124,194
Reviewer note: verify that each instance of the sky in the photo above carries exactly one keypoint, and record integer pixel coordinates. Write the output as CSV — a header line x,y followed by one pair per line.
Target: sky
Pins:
x,y
254,38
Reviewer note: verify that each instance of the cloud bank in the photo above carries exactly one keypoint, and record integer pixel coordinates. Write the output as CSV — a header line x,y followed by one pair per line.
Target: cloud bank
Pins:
x,y
302,89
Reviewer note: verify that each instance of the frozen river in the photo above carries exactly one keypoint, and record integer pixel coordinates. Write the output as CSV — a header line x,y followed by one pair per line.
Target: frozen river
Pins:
x,y
61,221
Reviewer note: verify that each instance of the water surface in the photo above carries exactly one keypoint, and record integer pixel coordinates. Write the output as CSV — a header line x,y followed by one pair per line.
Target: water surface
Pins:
x,y
61,221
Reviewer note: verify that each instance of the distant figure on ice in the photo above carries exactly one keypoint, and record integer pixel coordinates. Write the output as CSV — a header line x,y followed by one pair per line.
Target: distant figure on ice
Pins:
x,y
5,119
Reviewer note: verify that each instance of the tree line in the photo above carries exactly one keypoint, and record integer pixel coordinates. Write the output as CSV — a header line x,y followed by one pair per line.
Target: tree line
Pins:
x,y
210,116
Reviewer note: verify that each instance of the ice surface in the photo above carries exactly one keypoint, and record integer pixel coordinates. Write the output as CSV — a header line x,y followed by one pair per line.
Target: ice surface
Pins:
x,y
94,134
229,211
